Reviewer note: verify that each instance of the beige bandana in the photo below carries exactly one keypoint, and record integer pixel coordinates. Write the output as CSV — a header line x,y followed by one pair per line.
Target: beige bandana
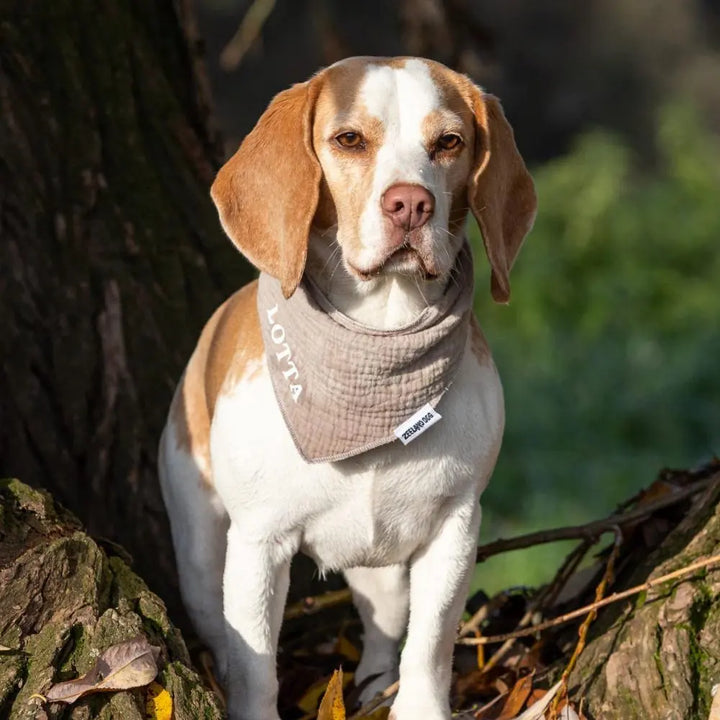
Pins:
x,y
344,388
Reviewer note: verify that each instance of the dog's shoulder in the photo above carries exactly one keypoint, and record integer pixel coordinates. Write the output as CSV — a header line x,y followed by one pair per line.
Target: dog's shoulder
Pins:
x,y
229,348
232,343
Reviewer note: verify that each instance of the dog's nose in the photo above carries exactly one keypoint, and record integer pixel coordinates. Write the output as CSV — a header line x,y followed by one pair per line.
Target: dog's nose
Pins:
x,y
408,206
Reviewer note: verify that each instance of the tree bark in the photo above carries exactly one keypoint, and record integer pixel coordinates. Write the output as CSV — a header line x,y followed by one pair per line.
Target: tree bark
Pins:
x,y
111,255
656,656
63,602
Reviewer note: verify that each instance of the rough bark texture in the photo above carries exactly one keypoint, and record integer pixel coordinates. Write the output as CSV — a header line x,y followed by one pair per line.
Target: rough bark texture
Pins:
x,y
111,255
64,601
657,657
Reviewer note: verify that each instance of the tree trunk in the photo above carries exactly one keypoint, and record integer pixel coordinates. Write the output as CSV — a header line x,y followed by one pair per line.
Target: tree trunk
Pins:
x,y
111,255
656,656
64,601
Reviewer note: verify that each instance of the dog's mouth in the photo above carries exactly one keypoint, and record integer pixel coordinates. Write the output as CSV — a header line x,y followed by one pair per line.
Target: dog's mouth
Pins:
x,y
404,260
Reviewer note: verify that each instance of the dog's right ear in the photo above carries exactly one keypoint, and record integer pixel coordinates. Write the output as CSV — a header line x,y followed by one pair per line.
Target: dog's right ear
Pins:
x,y
267,192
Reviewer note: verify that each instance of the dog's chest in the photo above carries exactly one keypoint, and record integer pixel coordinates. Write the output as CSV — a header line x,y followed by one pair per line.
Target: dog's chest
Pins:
x,y
373,509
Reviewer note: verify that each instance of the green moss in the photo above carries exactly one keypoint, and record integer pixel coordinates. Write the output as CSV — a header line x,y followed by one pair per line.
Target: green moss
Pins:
x,y
640,600
12,676
190,699
657,657
698,657
125,583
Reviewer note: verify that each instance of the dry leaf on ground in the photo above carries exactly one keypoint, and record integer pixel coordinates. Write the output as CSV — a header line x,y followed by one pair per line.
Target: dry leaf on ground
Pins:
x,y
158,703
126,665
715,707
537,710
332,706
567,713
517,697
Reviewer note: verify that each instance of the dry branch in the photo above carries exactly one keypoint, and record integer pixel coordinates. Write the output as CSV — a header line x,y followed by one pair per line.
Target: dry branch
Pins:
x,y
567,617
592,530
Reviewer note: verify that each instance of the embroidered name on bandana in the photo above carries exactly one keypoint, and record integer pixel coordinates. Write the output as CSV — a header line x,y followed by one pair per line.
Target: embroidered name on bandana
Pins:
x,y
344,388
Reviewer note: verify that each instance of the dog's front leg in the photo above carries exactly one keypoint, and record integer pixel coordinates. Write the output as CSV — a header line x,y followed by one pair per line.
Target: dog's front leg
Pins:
x,y
439,577
257,575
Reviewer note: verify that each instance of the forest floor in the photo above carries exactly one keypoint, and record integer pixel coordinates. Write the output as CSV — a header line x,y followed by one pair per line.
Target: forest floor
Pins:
x,y
519,653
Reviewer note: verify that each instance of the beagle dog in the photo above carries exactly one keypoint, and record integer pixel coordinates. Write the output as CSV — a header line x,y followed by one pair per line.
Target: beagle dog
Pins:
x,y
352,192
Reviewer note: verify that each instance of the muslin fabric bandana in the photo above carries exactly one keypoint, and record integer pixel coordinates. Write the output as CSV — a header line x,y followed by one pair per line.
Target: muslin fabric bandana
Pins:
x,y
343,387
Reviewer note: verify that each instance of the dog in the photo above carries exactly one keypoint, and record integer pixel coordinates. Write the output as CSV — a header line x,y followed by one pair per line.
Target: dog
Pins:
x,y
351,196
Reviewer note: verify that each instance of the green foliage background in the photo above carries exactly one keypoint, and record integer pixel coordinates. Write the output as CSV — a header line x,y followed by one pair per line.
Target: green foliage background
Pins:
x,y
609,351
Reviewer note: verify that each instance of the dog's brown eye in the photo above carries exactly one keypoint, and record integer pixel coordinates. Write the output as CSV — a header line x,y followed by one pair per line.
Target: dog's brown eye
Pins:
x,y
349,140
448,141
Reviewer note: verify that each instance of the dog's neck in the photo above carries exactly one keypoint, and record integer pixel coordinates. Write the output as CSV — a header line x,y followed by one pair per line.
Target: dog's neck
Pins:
x,y
386,302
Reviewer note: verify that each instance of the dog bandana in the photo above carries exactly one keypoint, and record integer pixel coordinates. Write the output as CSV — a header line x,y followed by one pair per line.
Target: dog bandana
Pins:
x,y
344,388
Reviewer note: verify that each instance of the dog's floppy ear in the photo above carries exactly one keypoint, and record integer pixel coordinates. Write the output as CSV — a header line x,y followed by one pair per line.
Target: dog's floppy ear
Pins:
x,y
267,192
501,191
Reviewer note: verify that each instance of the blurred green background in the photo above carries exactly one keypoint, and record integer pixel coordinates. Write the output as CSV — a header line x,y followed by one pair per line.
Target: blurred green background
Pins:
x,y
609,350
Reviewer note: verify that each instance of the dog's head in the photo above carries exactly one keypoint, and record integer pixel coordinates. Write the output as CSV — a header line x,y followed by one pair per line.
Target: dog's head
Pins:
x,y
387,156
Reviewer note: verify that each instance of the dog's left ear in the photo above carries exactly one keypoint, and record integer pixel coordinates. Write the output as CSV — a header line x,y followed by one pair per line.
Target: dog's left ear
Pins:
x,y
501,192
267,192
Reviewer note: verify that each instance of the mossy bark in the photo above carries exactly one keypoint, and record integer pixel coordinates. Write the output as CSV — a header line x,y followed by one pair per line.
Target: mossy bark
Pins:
x,y
111,256
64,601
657,656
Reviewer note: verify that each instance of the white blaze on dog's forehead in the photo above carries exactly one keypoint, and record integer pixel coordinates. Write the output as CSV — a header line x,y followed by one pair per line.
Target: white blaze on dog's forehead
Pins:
x,y
400,97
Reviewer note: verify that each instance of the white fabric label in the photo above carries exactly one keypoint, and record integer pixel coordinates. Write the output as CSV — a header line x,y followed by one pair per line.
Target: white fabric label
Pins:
x,y
416,425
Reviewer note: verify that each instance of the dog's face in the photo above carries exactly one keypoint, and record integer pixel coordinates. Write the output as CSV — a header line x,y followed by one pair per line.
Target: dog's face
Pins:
x,y
396,143
385,157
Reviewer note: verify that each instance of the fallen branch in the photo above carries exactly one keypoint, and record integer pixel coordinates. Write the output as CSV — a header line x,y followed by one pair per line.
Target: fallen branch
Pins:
x,y
585,626
246,34
592,530
547,594
313,604
376,702
697,565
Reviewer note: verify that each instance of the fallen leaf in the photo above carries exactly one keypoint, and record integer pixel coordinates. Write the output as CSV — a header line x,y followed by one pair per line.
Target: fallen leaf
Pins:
x,y
158,703
567,713
517,697
482,683
345,648
537,709
126,665
332,706
715,707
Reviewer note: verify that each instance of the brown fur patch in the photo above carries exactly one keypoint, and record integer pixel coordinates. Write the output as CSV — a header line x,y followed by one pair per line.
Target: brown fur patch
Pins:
x,y
229,344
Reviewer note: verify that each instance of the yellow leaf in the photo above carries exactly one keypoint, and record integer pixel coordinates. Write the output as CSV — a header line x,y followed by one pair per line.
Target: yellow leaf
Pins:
x,y
345,648
308,703
158,703
332,706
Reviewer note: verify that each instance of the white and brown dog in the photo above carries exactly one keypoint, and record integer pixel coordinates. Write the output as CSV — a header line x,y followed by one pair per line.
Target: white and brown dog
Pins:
x,y
352,190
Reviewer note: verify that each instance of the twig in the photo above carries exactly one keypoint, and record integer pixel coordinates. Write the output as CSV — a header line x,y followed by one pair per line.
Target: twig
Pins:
x,y
591,530
249,29
697,565
549,592
376,702
311,605
583,630
481,614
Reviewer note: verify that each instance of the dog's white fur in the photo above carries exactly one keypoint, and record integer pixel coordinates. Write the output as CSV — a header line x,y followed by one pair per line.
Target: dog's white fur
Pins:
x,y
401,522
